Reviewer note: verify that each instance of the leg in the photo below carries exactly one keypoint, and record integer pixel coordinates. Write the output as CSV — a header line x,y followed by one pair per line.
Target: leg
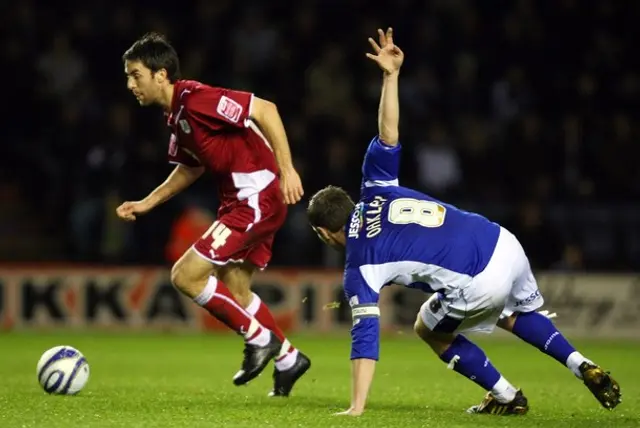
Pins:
x,y
193,276
238,276
437,329
520,318
538,331
290,364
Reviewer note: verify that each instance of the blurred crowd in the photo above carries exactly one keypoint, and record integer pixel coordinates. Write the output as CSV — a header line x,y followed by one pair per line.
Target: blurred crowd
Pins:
x,y
524,110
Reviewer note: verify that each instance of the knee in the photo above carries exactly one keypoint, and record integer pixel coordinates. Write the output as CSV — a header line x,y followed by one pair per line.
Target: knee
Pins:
x,y
421,329
179,277
185,281
507,323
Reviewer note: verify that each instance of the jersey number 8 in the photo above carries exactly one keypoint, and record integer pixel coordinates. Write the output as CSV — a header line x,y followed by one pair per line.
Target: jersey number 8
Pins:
x,y
424,213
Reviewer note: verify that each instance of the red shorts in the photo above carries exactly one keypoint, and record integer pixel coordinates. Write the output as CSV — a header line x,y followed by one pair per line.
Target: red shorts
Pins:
x,y
245,231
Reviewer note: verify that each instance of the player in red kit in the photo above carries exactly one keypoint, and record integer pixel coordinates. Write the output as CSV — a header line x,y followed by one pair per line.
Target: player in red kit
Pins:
x,y
241,140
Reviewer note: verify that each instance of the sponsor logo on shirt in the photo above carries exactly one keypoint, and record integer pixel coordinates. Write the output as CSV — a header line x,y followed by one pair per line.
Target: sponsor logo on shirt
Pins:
x,y
229,109
185,126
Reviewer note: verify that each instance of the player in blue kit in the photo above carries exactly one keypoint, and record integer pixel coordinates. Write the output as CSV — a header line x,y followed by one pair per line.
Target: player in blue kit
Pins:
x,y
477,270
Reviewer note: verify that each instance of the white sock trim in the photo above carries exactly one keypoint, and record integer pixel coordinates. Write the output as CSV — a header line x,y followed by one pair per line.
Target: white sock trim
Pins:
x,y
284,349
208,292
254,305
573,363
262,339
503,390
287,362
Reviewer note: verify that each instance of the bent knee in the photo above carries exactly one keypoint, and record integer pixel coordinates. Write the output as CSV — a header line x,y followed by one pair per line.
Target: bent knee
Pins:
x,y
507,323
179,276
190,275
421,329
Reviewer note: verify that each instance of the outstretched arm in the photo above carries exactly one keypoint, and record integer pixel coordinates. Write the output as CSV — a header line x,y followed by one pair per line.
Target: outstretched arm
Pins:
x,y
181,178
389,110
389,58
382,161
365,342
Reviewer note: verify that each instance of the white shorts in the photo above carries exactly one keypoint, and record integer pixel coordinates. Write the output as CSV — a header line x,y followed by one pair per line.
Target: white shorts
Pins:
x,y
505,286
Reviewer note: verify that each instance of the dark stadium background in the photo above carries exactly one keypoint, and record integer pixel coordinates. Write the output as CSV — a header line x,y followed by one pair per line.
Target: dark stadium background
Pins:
x,y
526,111
523,110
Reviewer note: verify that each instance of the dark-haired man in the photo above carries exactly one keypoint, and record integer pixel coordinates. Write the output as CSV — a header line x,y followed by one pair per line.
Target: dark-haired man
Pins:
x,y
241,140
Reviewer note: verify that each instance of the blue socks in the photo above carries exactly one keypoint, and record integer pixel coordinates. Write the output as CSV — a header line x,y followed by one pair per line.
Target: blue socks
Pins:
x,y
471,362
539,331
466,358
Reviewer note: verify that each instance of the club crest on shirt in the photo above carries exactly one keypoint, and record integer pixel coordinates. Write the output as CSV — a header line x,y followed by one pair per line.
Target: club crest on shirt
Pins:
x,y
229,109
185,126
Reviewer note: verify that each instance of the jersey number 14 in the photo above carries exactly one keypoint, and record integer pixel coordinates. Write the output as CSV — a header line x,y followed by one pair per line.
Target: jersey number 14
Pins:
x,y
424,213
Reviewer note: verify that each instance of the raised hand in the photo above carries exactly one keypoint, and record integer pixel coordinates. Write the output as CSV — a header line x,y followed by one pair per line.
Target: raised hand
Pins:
x,y
387,55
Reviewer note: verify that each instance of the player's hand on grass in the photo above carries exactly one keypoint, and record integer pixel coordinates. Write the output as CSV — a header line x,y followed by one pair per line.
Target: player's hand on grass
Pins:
x,y
129,210
351,411
291,186
387,55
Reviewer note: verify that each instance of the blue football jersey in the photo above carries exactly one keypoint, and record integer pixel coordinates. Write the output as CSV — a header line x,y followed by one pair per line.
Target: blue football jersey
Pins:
x,y
402,236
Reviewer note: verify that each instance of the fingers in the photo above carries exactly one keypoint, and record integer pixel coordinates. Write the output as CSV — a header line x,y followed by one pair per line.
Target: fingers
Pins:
x,y
125,212
285,193
295,194
298,193
385,39
292,193
374,45
382,38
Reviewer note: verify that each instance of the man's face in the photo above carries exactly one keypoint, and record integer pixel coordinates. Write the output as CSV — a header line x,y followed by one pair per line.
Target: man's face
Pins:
x,y
144,84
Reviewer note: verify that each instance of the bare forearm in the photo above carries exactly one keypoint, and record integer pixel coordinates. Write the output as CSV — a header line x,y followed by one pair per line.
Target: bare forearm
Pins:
x,y
179,179
389,109
268,118
363,370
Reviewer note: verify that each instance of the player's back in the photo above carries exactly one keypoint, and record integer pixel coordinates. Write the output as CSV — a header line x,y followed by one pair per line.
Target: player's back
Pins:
x,y
416,239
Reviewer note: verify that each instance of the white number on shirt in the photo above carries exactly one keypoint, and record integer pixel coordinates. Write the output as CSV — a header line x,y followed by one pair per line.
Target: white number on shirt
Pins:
x,y
424,213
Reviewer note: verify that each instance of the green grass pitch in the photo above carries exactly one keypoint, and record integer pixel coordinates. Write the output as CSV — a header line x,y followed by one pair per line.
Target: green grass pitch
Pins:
x,y
171,380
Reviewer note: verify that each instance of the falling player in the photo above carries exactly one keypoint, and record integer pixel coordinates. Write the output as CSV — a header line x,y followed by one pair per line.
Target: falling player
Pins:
x,y
477,270
241,140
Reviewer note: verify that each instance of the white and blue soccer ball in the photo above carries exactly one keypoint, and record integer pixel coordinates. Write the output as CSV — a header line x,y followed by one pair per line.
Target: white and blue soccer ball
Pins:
x,y
63,370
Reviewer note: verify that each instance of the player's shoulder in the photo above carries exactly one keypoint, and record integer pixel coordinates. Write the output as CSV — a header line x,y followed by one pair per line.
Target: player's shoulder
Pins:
x,y
186,90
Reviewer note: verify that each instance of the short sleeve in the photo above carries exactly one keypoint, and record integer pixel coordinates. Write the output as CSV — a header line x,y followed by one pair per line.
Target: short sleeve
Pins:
x,y
219,107
381,164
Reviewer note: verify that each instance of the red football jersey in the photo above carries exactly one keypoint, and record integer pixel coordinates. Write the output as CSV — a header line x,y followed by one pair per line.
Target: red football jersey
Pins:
x,y
211,127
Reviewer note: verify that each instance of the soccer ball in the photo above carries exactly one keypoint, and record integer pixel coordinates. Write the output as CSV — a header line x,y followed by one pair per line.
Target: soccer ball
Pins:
x,y
63,370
